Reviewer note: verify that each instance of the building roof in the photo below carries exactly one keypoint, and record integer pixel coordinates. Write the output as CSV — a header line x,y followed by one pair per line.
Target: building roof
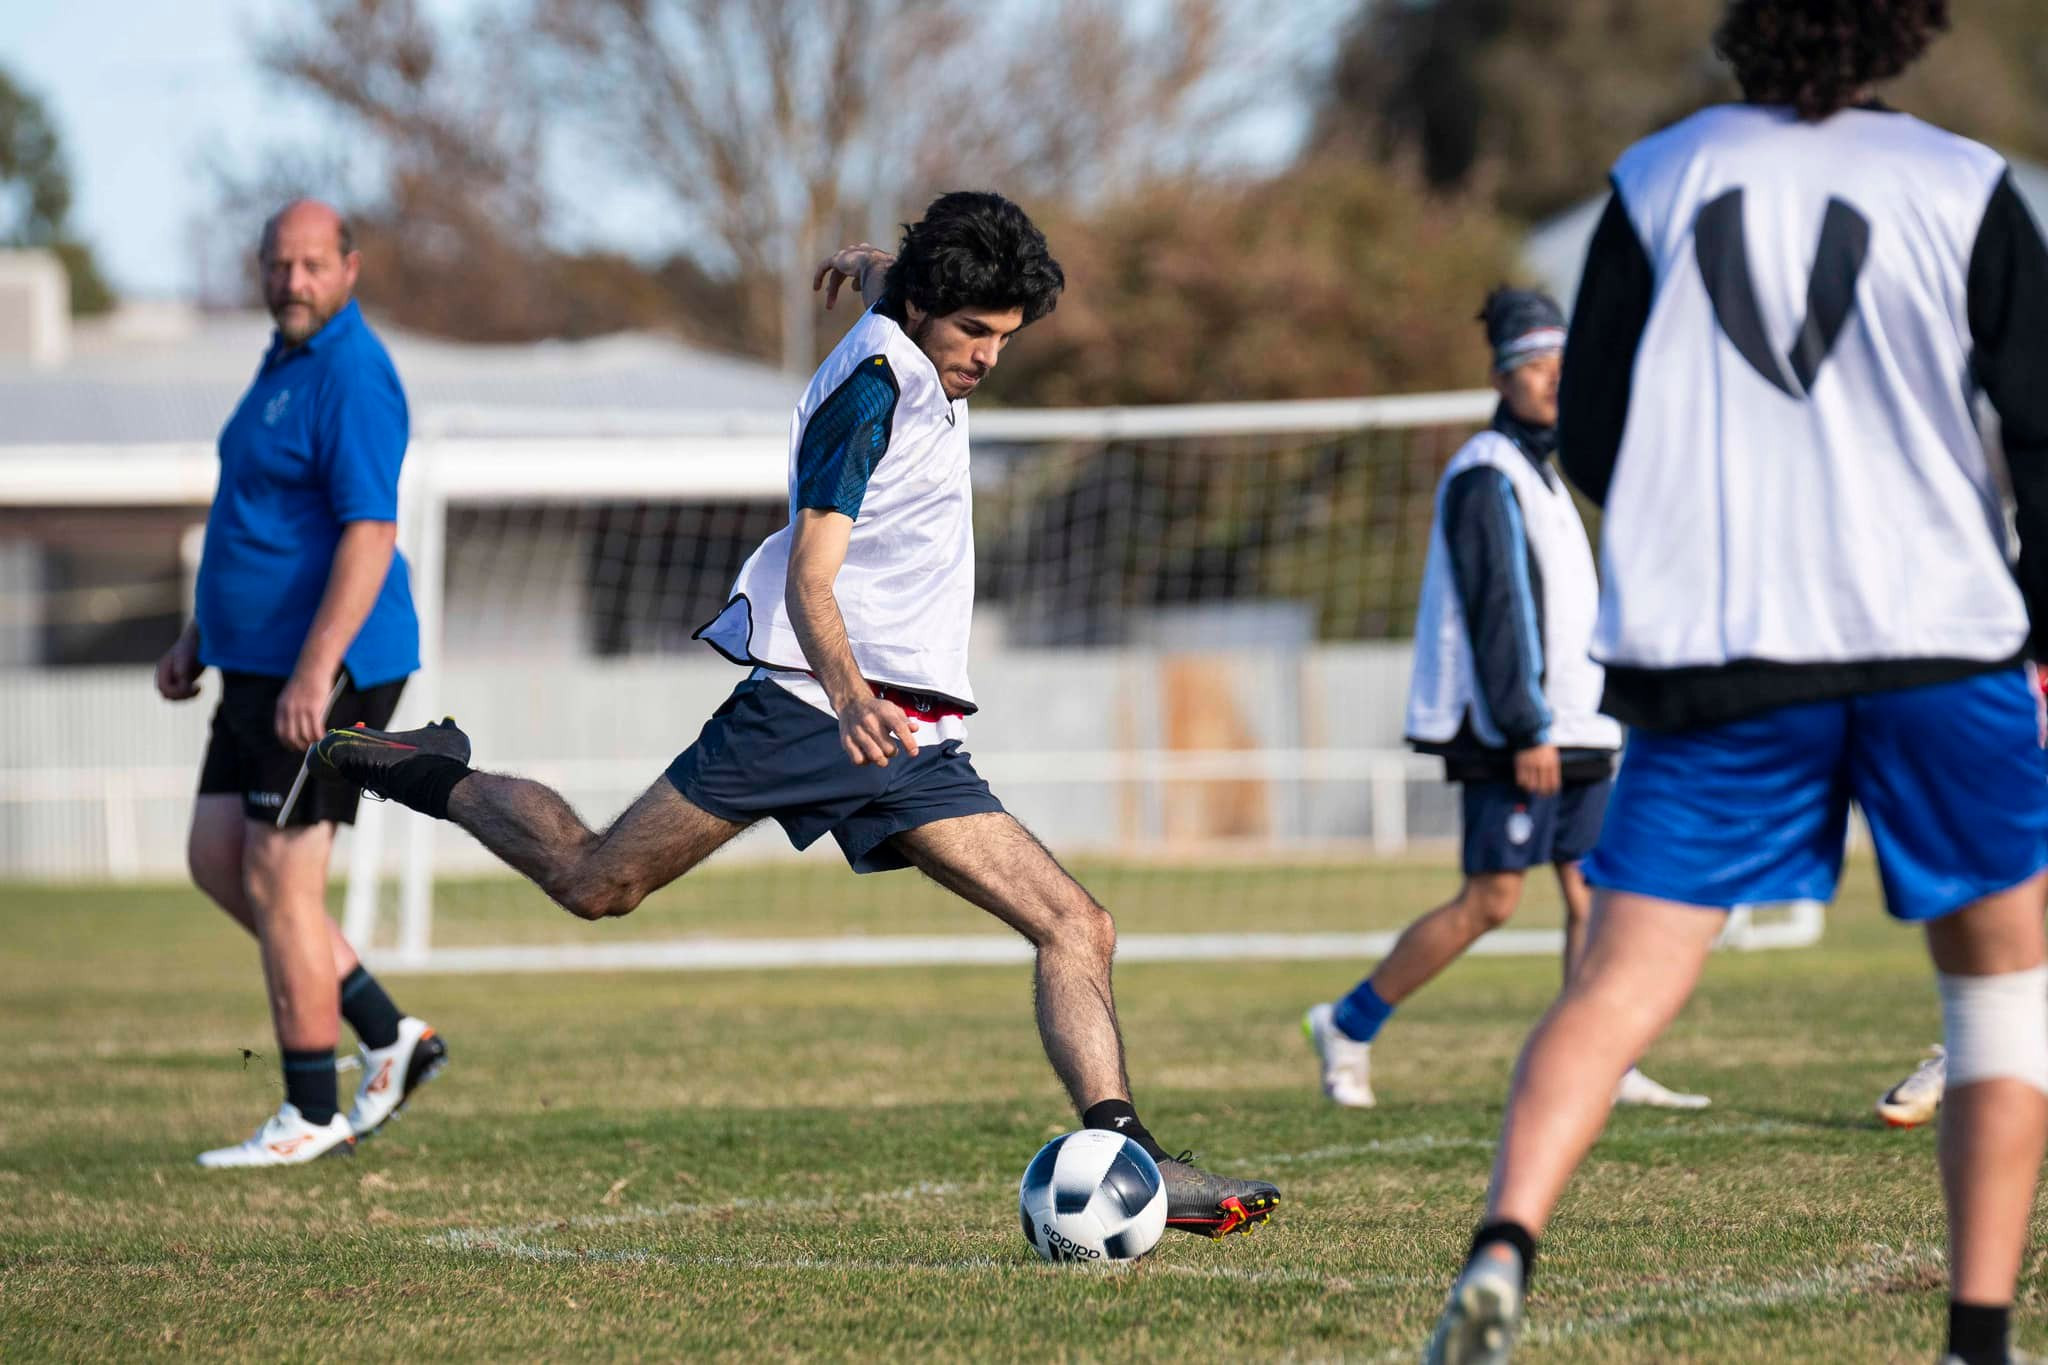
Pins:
x,y
1554,251
168,373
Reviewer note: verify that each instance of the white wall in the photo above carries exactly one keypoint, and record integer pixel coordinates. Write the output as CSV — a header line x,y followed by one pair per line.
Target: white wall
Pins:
x,y
97,773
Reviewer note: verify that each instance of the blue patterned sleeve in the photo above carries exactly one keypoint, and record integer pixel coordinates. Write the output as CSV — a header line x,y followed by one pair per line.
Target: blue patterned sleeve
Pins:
x,y
1499,588
845,439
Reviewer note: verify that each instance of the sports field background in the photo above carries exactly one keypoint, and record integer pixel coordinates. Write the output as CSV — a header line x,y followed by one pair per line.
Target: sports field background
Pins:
x,y
766,1164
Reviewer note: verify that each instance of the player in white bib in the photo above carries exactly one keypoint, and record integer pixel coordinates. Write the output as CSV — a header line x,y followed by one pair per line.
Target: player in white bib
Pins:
x,y
1788,313
1503,691
853,620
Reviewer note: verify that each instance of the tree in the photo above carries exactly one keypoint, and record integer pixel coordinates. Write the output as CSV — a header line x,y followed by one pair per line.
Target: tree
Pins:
x,y
35,195
764,131
1530,102
778,127
1336,278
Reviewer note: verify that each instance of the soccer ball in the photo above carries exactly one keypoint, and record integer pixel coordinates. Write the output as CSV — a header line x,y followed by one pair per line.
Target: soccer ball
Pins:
x,y
1092,1196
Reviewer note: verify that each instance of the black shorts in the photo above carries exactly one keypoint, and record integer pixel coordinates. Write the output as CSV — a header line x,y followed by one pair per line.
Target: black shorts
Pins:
x,y
245,757
767,752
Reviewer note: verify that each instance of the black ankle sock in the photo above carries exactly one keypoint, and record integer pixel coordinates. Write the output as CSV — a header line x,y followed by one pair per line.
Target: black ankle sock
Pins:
x,y
1977,1334
1118,1116
309,1083
428,781
368,1009
1514,1235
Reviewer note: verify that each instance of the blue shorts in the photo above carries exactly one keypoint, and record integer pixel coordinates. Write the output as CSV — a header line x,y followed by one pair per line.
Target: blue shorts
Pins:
x,y
1508,830
1951,778
768,753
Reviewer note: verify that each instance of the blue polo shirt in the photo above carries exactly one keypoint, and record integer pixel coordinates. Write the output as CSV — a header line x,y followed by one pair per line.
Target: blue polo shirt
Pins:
x,y
315,444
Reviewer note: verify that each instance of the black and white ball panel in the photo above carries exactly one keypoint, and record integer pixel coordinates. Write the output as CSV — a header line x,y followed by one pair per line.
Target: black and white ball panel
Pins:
x,y
1132,1186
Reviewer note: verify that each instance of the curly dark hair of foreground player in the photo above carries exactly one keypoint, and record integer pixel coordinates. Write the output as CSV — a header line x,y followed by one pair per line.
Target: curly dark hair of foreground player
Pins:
x,y
973,249
1820,55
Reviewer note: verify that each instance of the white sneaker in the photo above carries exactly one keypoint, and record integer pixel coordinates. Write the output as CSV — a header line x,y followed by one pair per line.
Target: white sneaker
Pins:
x,y
1347,1063
1636,1088
1916,1099
391,1074
285,1139
1481,1319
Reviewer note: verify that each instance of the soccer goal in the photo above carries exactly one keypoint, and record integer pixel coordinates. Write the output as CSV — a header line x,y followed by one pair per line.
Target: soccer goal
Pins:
x,y
1191,648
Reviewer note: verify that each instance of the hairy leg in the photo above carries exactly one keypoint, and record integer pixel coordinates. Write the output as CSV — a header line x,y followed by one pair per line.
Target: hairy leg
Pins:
x,y
1432,943
992,862
1641,962
1993,1131
213,852
284,878
533,830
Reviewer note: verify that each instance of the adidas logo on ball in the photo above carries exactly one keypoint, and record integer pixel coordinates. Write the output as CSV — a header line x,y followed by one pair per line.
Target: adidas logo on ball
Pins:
x,y
1066,1246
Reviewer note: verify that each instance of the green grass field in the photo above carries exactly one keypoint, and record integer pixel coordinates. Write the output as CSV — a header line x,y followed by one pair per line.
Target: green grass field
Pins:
x,y
823,1164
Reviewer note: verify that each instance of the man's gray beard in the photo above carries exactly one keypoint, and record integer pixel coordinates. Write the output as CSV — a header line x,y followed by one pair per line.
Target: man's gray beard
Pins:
x,y
318,321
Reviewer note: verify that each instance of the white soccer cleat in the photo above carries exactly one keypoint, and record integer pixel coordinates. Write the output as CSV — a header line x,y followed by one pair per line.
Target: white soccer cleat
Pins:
x,y
1916,1099
1636,1088
391,1074
285,1139
1347,1063
2011,1358
1483,1315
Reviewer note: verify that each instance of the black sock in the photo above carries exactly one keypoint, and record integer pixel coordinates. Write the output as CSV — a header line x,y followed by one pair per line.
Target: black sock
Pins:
x,y
368,1009
1514,1235
1118,1116
309,1084
1977,1334
429,781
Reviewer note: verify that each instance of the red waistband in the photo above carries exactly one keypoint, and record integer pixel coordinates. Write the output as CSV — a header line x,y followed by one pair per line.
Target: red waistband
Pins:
x,y
926,706
922,705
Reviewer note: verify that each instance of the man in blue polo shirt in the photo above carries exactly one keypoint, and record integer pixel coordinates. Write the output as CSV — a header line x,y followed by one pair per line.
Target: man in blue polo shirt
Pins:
x,y
305,608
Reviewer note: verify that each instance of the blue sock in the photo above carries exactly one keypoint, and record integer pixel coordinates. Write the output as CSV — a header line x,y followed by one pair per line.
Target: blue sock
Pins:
x,y
1358,1016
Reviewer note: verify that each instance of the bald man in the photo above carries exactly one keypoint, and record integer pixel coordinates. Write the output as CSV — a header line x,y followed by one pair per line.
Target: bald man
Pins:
x,y
305,608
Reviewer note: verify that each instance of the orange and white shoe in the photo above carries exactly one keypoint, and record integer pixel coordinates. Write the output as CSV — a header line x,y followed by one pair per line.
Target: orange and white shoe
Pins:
x,y
391,1074
1917,1099
285,1139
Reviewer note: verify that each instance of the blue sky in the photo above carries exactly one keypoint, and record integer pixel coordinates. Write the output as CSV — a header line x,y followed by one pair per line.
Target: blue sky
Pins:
x,y
142,91
145,91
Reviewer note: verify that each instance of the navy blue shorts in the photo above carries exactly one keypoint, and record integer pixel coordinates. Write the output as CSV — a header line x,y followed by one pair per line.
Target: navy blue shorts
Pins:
x,y
1951,778
1508,830
768,753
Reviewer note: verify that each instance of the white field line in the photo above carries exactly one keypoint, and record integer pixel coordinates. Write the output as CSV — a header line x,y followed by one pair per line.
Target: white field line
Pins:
x,y
920,950
1801,927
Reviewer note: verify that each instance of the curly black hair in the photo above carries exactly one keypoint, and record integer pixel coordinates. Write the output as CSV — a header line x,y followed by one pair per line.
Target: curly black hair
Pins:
x,y
973,249
1819,55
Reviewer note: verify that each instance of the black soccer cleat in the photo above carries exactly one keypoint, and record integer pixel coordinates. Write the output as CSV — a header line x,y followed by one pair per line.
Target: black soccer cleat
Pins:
x,y
1212,1205
389,764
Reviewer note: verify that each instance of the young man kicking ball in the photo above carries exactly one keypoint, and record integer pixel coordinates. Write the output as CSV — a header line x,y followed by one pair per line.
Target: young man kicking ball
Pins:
x,y
1504,690
854,622
1789,310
